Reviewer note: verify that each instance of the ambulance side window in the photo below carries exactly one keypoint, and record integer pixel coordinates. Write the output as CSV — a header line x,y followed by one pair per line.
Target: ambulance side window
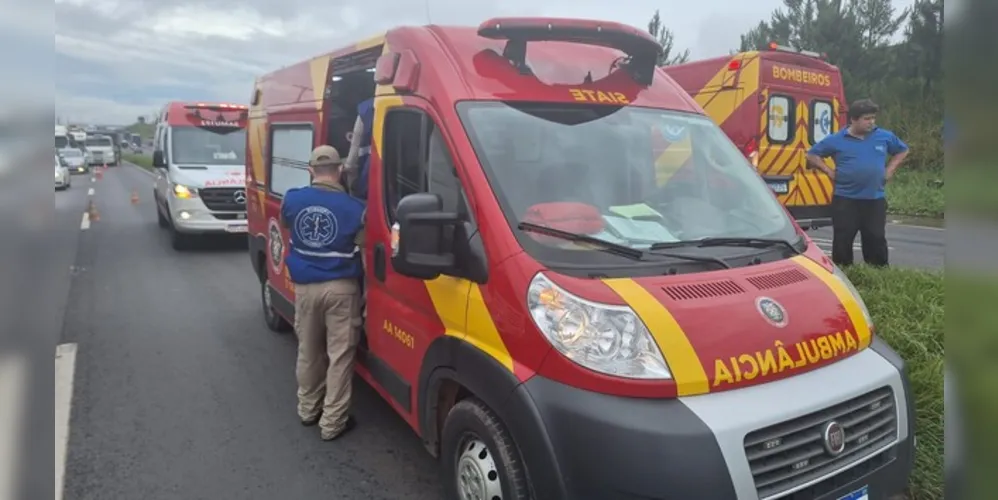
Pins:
x,y
443,174
822,120
404,171
782,118
416,160
290,147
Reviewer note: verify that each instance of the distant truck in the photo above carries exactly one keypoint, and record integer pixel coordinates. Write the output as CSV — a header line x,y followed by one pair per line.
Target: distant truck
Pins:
x,y
101,151
62,138
774,105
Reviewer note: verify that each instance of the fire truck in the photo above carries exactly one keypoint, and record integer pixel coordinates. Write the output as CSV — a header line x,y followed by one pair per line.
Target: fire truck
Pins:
x,y
775,104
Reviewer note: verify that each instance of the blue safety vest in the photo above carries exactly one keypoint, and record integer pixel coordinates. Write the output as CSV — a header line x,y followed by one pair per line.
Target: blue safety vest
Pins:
x,y
323,223
365,110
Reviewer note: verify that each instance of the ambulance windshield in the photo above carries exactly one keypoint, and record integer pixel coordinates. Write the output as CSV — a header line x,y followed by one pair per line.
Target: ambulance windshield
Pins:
x,y
631,176
208,147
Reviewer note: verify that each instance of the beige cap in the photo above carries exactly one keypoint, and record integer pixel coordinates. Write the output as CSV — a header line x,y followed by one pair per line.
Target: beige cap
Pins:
x,y
324,155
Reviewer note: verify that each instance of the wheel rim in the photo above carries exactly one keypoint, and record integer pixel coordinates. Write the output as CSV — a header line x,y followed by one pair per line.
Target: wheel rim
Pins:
x,y
477,474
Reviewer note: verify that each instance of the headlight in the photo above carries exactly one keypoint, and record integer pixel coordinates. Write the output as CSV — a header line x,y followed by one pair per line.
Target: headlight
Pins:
x,y
56,174
855,293
182,191
604,338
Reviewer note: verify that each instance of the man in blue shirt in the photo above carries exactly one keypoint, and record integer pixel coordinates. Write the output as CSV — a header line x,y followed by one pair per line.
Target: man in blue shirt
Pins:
x,y
326,226
359,156
866,158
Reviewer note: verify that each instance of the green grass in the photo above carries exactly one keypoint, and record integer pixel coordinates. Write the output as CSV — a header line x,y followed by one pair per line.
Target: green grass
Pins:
x,y
907,309
916,193
140,160
145,130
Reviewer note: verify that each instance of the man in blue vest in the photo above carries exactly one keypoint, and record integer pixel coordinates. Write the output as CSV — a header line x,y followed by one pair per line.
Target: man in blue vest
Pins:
x,y
324,260
359,156
866,158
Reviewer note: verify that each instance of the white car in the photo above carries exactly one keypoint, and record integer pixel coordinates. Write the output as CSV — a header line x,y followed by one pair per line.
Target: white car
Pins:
x,y
75,160
63,180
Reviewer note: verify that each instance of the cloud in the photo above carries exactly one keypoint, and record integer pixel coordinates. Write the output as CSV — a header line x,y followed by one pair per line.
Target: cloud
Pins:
x,y
116,58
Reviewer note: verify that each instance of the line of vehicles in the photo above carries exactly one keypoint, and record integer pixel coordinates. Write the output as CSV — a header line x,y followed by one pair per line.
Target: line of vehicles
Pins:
x,y
79,151
578,283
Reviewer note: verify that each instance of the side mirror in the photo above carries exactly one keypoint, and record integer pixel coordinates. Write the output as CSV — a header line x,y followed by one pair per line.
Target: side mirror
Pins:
x,y
158,160
422,250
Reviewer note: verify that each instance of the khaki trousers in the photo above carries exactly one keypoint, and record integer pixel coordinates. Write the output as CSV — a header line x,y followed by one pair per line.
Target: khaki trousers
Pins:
x,y
327,321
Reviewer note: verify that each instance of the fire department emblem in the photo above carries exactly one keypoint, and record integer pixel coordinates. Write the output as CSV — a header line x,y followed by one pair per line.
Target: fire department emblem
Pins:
x,y
772,311
275,244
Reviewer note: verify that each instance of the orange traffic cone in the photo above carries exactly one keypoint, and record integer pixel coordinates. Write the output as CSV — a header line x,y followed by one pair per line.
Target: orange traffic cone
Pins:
x,y
135,197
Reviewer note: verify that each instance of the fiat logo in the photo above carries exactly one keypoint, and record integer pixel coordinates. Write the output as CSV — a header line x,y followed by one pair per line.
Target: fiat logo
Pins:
x,y
834,436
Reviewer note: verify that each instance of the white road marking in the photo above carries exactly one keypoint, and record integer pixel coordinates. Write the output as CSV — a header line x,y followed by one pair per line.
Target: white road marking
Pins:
x,y
93,179
13,377
824,242
65,372
90,192
85,222
913,226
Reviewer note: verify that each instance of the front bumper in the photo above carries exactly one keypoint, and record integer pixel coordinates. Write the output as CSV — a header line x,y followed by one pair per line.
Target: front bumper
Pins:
x,y
61,181
608,447
101,160
191,216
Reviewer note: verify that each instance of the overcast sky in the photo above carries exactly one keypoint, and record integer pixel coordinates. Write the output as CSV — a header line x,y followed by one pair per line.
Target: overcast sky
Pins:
x,y
118,59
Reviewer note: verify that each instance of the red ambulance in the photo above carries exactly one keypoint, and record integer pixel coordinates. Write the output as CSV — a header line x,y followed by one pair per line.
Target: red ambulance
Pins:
x,y
549,319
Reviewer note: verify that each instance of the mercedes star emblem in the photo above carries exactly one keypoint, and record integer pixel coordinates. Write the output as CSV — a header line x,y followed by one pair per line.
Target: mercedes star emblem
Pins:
x,y
239,197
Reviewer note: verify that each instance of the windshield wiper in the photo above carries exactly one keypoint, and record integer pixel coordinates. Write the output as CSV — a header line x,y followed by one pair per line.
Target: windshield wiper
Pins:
x,y
728,242
611,247
607,246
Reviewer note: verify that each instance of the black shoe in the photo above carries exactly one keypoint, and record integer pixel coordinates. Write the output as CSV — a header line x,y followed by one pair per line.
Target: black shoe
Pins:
x,y
347,427
312,421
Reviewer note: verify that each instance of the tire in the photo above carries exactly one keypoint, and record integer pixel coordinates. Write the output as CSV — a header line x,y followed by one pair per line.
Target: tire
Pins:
x,y
178,241
273,320
478,451
161,219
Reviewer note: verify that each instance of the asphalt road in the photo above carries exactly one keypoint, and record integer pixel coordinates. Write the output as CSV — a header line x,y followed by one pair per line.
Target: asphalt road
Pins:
x,y
180,391
909,246
171,387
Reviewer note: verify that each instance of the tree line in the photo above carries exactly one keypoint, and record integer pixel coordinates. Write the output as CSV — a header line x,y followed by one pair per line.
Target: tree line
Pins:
x,y
892,56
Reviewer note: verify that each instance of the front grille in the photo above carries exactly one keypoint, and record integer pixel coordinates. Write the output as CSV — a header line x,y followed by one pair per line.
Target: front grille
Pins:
x,y
222,199
228,216
787,455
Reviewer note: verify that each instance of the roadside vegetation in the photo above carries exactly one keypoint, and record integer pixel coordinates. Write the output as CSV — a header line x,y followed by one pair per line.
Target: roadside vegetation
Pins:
x,y
907,306
138,159
917,193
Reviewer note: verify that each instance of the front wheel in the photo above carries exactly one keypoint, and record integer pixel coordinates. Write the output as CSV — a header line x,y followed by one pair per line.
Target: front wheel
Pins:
x,y
478,456
274,321
178,241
